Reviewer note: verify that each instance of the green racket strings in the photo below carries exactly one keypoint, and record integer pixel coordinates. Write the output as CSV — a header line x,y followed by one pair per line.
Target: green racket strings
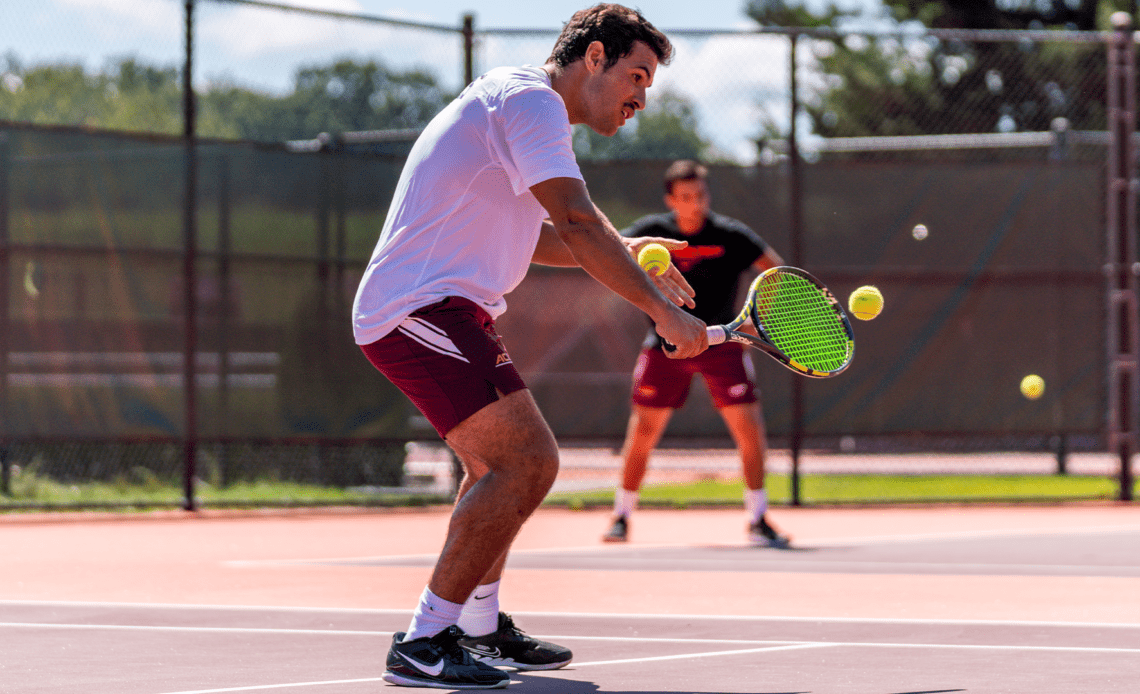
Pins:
x,y
802,322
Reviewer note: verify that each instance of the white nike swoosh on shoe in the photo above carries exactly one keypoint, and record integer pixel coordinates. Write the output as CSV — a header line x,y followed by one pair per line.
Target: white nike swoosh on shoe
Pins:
x,y
484,651
433,670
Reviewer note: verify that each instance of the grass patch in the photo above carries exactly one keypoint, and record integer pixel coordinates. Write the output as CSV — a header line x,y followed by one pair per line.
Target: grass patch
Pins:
x,y
839,489
142,489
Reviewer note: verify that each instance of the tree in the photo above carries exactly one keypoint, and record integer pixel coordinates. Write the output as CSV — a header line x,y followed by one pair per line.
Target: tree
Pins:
x,y
130,95
348,96
667,129
889,86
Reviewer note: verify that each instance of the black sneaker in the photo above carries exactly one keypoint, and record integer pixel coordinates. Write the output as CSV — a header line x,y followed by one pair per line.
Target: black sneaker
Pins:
x,y
510,647
618,531
762,534
439,662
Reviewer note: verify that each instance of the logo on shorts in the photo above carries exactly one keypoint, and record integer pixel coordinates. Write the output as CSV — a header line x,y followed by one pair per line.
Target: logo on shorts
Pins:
x,y
738,390
646,391
502,359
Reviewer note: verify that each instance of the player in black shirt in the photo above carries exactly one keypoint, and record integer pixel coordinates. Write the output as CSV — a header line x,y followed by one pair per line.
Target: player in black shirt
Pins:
x,y
720,250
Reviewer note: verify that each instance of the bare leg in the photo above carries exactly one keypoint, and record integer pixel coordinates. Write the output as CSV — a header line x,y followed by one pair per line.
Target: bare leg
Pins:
x,y
746,425
646,425
473,472
512,442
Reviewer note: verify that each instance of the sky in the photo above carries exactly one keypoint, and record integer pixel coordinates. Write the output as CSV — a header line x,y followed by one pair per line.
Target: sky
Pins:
x,y
735,82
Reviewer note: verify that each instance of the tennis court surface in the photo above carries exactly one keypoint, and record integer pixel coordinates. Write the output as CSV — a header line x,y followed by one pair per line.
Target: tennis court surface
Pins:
x,y
868,601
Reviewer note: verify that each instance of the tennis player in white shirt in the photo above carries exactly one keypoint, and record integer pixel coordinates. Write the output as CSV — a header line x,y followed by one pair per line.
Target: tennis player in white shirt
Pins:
x,y
490,187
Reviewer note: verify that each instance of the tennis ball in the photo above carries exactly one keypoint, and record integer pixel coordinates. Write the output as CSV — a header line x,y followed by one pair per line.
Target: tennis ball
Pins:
x,y
919,232
1032,386
865,302
653,258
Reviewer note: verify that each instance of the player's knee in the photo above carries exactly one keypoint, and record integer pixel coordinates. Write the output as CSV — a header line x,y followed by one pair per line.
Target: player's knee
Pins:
x,y
533,478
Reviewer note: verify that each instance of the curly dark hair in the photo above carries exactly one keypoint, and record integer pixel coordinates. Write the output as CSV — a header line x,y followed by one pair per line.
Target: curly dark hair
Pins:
x,y
617,27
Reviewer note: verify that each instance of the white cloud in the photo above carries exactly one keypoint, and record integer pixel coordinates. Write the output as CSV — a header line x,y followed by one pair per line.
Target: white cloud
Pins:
x,y
263,48
736,81
139,19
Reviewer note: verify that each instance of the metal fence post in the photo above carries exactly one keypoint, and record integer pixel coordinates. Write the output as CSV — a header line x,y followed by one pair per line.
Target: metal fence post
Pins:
x,y
189,268
468,49
5,317
225,320
795,213
1121,266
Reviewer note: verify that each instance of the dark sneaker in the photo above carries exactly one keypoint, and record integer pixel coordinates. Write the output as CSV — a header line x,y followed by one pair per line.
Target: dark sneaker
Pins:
x,y
618,532
439,662
762,534
510,647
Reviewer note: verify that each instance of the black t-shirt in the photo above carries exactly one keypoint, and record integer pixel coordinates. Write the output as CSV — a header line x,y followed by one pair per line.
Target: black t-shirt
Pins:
x,y
712,262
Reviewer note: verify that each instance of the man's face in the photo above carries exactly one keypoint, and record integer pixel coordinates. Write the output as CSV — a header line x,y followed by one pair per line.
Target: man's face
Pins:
x,y
615,94
689,200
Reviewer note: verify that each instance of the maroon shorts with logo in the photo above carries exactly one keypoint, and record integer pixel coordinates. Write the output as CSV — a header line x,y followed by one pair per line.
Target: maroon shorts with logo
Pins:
x,y
448,359
659,381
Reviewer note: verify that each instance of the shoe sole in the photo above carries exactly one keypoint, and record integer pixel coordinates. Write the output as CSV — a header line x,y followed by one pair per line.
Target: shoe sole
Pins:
x,y
607,538
774,544
508,662
399,680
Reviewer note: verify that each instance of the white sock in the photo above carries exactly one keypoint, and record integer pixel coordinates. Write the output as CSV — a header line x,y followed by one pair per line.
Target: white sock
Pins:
x,y
755,503
432,615
625,502
480,614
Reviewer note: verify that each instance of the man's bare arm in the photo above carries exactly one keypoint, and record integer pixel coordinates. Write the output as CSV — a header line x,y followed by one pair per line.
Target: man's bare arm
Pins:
x,y
597,247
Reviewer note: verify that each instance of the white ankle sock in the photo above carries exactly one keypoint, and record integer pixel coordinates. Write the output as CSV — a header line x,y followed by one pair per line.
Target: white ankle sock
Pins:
x,y
432,615
480,614
625,502
755,503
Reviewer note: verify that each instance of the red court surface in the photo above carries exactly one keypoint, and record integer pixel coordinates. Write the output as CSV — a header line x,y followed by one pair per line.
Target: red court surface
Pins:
x,y
868,601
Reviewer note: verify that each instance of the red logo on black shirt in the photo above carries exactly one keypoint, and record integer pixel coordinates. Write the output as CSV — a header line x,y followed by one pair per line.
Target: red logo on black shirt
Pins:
x,y
689,256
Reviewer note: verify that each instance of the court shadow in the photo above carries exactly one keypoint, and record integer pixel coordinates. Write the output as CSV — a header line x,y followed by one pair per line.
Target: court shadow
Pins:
x,y
549,684
751,549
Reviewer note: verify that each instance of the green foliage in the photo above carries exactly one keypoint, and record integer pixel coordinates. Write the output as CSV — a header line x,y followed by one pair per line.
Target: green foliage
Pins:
x,y
992,14
130,95
777,13
885,87
667,129
342,97
829,489
890,86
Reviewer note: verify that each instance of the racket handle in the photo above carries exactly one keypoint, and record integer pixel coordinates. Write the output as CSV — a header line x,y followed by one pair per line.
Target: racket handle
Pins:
x,y
717,334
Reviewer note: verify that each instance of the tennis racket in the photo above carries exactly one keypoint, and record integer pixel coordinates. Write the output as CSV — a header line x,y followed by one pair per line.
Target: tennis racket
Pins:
x,y
799,322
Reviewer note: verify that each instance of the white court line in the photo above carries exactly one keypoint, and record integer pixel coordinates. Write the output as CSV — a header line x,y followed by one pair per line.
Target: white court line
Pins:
x,y
683,656
810,543
566,637
574,615
260,687
972,534
188,629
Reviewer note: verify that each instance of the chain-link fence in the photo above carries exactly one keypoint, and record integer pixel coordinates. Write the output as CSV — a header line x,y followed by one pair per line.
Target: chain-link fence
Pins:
x,y
194,338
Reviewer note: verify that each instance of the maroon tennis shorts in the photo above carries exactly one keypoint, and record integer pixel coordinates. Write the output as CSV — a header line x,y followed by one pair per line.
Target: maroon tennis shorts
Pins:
x,y
448,359
659,381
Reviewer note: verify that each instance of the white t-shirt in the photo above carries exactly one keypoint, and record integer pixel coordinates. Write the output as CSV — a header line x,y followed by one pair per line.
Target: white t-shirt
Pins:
x,y
463,221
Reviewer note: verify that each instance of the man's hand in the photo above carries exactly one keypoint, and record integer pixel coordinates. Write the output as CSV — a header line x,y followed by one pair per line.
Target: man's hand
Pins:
x,y
684,331
671,283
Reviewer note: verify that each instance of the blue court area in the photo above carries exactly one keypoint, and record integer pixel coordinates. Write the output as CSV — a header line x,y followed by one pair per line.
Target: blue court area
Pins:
x,y
132,648
139,649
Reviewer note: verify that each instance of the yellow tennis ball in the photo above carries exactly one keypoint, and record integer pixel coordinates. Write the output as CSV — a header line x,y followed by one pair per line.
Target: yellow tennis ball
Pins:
x,y
865,302
653,258
1032,386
